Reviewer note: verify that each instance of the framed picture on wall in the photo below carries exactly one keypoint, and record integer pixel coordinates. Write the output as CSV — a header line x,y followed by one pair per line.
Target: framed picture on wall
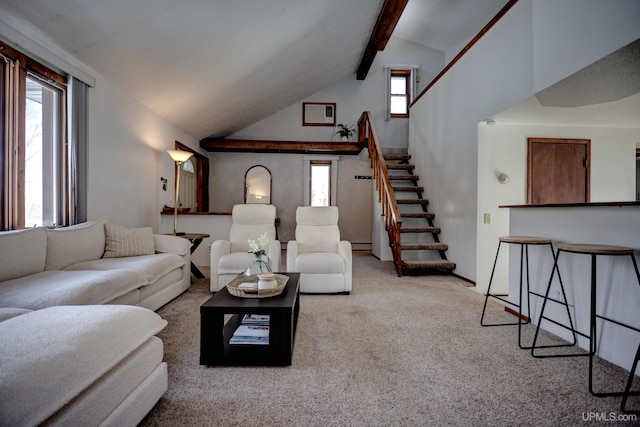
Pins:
x,y
318,114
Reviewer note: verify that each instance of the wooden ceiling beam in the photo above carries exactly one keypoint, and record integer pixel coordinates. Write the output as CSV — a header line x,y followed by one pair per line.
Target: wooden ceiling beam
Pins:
x,y
386,23
262,146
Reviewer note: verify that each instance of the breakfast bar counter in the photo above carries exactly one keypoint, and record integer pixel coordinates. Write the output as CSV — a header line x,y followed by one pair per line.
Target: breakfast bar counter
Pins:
x,y
618,293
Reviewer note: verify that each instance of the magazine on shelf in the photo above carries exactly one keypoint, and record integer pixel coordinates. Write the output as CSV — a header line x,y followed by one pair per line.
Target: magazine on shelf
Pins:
x,y
255,319
251,334
252,331
249,340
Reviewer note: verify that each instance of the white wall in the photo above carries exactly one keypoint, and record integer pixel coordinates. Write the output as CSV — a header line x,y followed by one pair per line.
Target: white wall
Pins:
x,y
127,157
127,142
503,148
226,186
352,97
526,51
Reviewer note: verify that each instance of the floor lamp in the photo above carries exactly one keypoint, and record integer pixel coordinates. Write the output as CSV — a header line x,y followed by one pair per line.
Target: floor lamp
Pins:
x,y
179,157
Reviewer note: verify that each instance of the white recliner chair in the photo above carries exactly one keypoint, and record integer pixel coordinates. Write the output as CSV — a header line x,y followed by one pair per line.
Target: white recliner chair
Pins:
x,y
231,257
322,259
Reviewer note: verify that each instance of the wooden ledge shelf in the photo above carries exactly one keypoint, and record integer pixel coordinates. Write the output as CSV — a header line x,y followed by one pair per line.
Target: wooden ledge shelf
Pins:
x,y
170,212
260,146
575,205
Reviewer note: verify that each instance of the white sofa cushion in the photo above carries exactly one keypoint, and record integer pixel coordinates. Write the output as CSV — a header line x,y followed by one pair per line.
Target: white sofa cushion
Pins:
x,y
123,242
171,244
9,312
22,252
69,346
77,243
98,402
54,287
151,267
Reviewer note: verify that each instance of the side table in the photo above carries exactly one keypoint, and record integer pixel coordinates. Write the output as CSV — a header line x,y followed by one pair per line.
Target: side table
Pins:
x,y
195,239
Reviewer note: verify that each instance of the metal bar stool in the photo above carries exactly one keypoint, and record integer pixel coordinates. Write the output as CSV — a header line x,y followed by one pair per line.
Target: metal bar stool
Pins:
x,y
524,242
593,251
627,390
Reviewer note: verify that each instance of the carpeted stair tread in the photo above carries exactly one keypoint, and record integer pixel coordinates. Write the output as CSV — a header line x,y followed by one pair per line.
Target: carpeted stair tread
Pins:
x,y
420,230
430,264
424,246
411,188
401,166
412,201
425,215
397,156
404,177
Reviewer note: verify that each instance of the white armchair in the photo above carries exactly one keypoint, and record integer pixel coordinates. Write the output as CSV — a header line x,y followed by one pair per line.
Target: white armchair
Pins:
x,y
322,259
231,257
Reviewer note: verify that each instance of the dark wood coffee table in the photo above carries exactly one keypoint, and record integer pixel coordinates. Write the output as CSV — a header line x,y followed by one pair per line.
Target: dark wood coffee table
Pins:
x,y
283,319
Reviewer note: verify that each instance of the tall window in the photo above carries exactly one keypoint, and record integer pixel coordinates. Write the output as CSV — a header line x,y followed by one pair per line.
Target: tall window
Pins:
x,y
42,153
320,191
400,93
321,180
32,147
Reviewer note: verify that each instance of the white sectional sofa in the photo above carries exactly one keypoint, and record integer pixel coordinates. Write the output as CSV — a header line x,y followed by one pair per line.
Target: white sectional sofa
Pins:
x,y
76,322
46,267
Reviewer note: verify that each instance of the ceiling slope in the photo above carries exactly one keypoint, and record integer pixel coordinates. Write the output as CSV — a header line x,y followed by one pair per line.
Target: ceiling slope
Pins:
x,y
211,67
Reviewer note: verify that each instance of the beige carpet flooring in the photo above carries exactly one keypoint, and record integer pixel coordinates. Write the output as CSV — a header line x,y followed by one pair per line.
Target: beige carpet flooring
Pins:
x,y
395,352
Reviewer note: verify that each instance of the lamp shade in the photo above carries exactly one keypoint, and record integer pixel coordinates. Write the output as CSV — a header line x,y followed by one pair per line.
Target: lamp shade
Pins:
x,y
179,155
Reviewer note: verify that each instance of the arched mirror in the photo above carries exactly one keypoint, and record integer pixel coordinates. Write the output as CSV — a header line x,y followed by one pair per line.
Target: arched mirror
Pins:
x,y
257,185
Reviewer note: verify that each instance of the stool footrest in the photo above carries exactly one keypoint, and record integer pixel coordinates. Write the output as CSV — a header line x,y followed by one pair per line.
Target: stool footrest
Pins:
x,y
497,296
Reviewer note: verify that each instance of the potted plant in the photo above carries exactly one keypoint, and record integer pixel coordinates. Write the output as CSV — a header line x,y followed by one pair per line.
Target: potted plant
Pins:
x,y
345,130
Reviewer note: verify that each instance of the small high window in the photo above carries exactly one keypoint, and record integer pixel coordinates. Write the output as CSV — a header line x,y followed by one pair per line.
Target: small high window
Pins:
x,y
400,93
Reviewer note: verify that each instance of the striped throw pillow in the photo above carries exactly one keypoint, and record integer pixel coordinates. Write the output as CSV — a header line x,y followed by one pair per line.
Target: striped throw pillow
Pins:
x,y
123,242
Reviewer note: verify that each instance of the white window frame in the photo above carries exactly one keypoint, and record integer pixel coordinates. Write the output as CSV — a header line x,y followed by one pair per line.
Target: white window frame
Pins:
x,y
306,201
414,79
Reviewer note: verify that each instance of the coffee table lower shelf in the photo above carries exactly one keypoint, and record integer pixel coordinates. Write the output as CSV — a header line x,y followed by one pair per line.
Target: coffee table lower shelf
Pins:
x,y
283,318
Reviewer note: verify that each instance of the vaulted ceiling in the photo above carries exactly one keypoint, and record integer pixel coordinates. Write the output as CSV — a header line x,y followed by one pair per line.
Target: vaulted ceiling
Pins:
x,y
213,67
605,93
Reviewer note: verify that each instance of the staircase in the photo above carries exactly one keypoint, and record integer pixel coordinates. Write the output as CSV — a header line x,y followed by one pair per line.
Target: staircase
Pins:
x,y
418,238
420,246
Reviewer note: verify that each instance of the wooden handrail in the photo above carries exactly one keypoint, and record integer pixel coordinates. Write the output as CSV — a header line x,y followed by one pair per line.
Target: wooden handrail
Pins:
x,y
468,46
389,206
367,135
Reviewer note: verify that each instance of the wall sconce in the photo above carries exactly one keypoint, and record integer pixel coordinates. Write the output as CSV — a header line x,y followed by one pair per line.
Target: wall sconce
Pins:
x,y
503,178
179,157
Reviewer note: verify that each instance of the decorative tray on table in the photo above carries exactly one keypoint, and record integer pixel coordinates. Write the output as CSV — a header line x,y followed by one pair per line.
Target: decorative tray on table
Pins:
x,y
239,288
